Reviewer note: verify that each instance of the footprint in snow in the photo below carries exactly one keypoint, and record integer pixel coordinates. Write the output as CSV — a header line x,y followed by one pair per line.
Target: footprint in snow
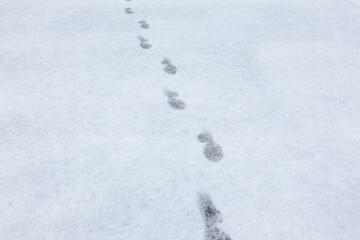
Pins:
x,y
129,11
173,102
144,24
144,43
169,67
211,217
208,210
212,150
215,233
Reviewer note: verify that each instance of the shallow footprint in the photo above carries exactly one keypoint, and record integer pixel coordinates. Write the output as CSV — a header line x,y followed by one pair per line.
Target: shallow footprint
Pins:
x,y
144,43
169,67
205,137
144,24
170,94
215,233
212,150
129,11
211,216
208,210
176,104
173,102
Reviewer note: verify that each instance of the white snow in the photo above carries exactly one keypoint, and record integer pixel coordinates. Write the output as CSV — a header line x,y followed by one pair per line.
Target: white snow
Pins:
x,y
90,149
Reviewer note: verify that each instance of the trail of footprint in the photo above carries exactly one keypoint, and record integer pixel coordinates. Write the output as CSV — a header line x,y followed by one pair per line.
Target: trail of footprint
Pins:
x,y
173,102
169,67
129,11
211,216
144,43
144,24
212,150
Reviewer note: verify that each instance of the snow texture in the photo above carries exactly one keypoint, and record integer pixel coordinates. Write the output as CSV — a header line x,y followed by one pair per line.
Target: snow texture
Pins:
x,y
90,148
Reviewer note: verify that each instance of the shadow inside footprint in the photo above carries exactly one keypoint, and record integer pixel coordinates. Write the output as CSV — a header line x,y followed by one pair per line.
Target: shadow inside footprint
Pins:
x,y
215,233
144,24
205,137
176,104
144,43
211,216
129,11
169,67
212,150
171,94
173,102
208,210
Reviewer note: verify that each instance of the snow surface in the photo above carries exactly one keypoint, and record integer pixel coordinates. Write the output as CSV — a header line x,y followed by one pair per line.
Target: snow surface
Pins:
x,y
90,148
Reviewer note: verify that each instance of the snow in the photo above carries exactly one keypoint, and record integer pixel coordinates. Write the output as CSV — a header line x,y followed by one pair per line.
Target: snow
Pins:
x,y
90,148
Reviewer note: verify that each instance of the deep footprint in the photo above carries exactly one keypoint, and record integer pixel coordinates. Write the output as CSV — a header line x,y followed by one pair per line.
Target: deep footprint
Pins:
x,y
173,102
212,150
169,67
211,216
144,24
129,11
144,43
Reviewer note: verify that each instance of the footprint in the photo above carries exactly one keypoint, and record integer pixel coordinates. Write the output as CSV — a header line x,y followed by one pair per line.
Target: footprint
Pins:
x,y
169,67
215,233
144,24
129,11
212,150
173,102
208,210
144,43
211,216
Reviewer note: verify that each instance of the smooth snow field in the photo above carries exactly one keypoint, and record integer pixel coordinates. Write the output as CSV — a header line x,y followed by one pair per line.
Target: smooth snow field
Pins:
x,y
179,120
